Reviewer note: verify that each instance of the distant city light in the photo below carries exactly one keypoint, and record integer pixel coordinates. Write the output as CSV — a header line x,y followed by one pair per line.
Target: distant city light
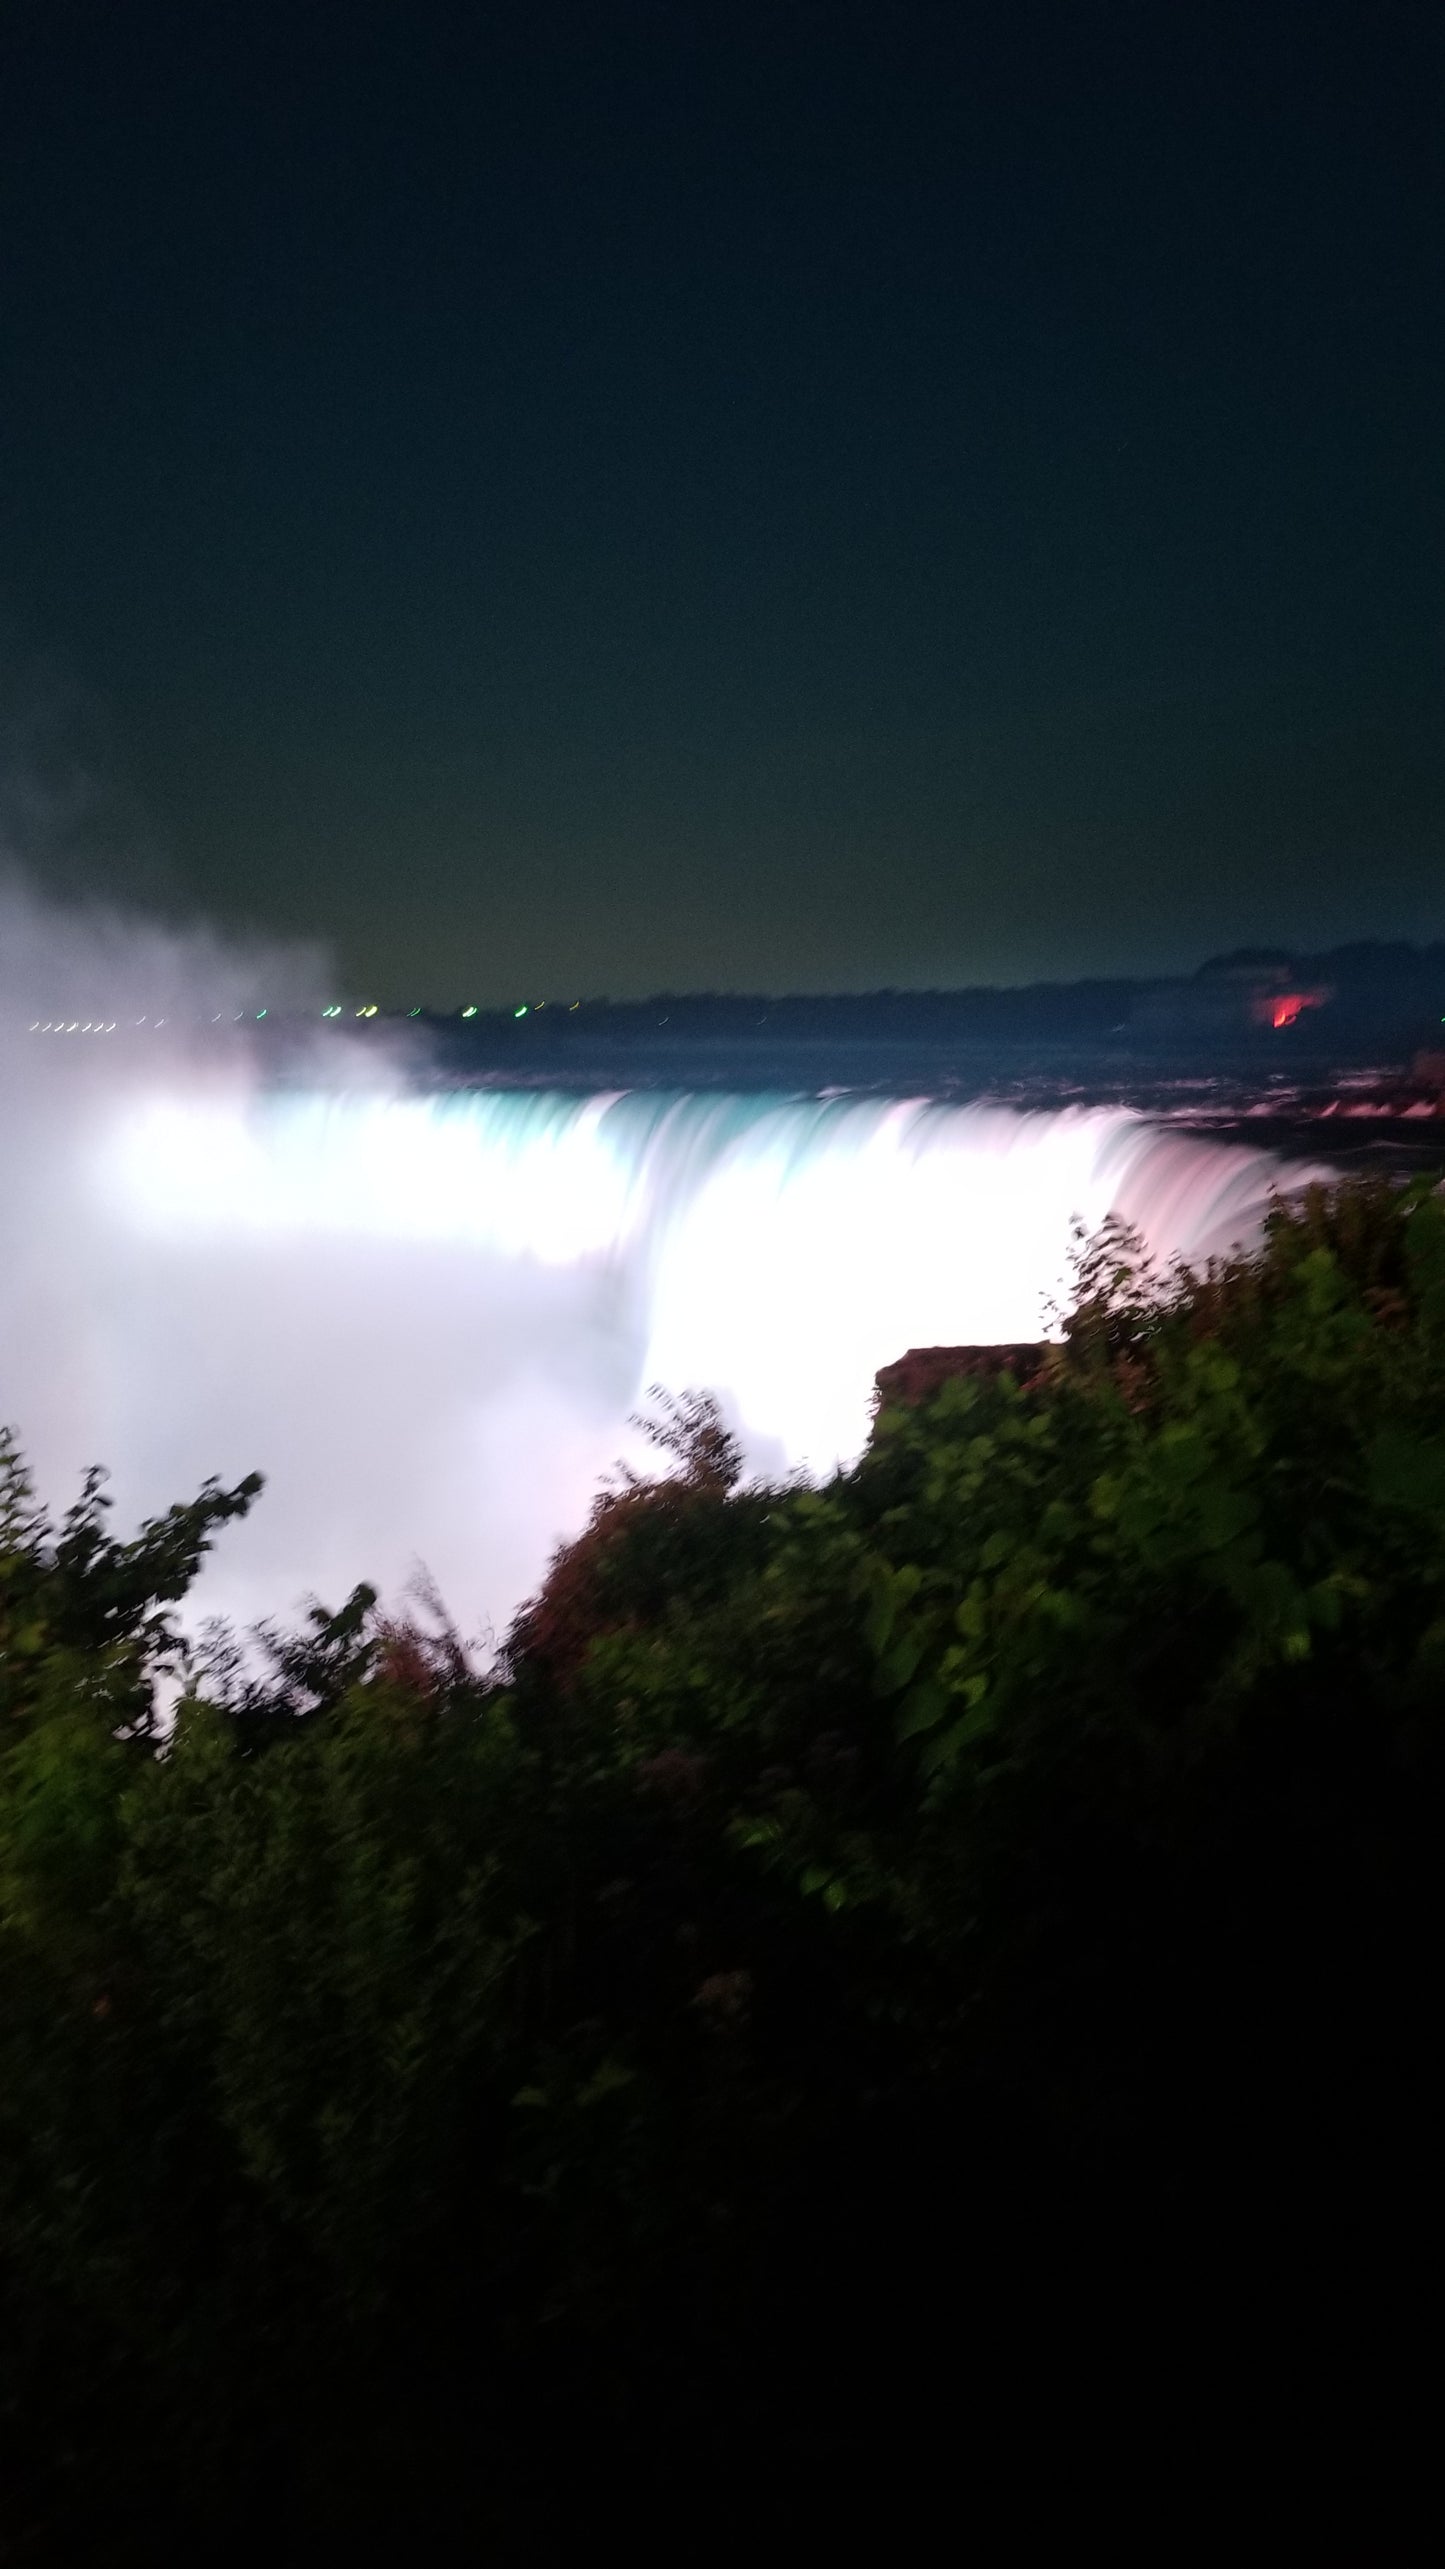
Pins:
x,y
260,1013
469,1012
332,1012
413,1012
77,1026
519,1012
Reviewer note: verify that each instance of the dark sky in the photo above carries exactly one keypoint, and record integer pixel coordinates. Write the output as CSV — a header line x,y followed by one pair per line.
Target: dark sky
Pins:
x,y
564,499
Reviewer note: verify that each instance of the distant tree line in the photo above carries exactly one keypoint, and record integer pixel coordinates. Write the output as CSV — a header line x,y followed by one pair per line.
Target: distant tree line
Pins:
x,y
1380,996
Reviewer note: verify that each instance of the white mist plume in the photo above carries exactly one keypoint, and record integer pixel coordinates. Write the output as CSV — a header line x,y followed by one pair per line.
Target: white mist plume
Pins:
x,y
427,1319
87,960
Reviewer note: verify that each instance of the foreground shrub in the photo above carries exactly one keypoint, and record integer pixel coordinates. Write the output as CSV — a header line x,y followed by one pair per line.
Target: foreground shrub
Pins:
x,y
841,1909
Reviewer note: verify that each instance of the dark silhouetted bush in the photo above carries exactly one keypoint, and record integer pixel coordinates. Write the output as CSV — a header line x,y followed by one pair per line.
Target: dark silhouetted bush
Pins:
x,y
863,1950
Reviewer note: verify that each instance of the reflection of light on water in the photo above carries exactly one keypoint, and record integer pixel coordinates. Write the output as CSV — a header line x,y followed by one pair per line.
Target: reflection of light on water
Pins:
x,y
777,1252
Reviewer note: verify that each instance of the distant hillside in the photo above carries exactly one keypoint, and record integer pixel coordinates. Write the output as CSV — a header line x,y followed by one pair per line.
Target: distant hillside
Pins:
x,y
1349,1003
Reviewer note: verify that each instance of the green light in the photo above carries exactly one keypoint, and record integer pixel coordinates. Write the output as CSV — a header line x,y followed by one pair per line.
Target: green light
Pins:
x,y
413,1012
519,1012
260,1013
469,1012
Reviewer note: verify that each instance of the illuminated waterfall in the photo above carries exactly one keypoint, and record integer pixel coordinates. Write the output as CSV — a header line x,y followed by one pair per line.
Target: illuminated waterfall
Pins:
x,y
427,1320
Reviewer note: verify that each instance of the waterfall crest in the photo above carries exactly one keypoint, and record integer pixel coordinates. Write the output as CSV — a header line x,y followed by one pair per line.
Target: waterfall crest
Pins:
x,y
427,1319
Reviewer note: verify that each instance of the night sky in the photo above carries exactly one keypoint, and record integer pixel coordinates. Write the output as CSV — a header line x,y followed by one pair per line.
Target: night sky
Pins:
x,y
578,499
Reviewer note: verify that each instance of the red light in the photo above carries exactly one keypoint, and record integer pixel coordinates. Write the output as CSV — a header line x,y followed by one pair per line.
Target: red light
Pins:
x,y
1281,1008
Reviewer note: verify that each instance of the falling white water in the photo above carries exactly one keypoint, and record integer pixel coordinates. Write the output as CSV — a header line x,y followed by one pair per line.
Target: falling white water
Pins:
x,y
427,1320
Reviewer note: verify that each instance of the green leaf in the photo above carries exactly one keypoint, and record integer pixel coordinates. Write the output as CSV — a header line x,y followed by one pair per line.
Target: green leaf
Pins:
x,y
1182,1453
980,1724
922,1709
1223,1515
1270,1596
878,1623
606,2079
1425,1257
971,1618
900,1663
1407,1471
1326,1605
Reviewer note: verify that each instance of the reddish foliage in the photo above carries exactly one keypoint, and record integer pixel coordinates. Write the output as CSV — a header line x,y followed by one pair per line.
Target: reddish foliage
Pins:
x,y
918,1375
573,1605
